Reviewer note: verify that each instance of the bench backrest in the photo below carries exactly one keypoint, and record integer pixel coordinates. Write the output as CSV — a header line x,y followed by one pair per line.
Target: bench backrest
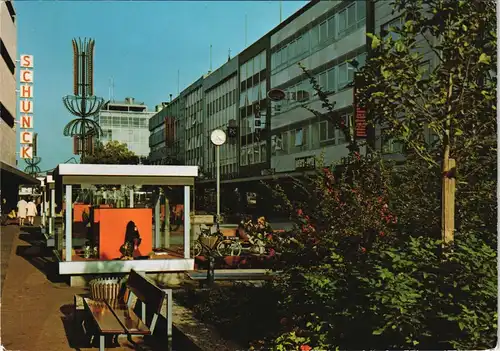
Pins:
x,y
145,291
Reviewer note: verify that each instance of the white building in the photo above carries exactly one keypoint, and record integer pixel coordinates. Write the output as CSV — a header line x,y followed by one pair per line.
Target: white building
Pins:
x,y
127,122
221,106
325,38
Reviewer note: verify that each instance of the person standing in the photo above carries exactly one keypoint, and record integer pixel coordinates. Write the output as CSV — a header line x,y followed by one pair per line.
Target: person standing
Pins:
x,y
21,211
31,212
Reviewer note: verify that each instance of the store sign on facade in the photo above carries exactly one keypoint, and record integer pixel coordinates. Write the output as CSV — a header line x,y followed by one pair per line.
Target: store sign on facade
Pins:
x,y
26,106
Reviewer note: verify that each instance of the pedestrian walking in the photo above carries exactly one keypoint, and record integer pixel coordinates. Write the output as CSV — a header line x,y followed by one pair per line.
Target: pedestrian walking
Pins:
x,y
21,211
31,212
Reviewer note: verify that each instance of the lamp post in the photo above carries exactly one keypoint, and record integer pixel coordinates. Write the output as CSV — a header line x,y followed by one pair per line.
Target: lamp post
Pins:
x,y
218,138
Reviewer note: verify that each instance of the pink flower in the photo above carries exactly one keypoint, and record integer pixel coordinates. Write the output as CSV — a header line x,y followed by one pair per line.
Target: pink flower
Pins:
x,y
363,249
299,212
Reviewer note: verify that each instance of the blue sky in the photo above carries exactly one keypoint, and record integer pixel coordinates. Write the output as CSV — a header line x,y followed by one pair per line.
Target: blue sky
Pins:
x,y
140,44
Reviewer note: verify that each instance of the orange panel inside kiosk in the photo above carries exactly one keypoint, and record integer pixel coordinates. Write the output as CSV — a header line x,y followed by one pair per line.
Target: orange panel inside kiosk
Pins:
x,y
79,222
112,225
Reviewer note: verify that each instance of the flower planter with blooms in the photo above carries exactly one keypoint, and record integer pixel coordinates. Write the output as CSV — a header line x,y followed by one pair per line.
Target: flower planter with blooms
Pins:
x,y
259,234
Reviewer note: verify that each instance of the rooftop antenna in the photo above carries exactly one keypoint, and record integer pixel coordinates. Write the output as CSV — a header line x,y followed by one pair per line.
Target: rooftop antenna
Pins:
x,y
210,58
228,55
112,90
246,25
281,10
178,81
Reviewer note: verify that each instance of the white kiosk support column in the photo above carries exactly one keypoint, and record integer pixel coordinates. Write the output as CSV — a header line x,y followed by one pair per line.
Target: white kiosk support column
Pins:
x,y
44,210
69,223
52,210
187,221
157,242
131,198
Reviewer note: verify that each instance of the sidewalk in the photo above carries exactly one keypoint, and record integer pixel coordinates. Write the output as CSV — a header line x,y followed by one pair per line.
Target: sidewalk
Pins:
x,y
32,309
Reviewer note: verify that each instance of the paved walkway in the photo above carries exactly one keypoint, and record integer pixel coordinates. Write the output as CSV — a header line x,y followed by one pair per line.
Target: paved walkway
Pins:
x,y
33,309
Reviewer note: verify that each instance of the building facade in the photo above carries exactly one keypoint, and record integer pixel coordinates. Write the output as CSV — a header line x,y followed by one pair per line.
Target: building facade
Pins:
x,y
221,107
10,177
326,39
194,125
8,97
254,108
167,138
127,122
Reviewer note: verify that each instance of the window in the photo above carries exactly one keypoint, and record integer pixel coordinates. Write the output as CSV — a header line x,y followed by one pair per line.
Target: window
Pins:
x,y
256,64
256,153
394,24
298,137
361,10
343,76
351,15
326,131
263,152
284,56
314,36
250,69
291,49
361,60
340,134
323,32
322,81
390,145
263,89
331,27
262,60
331,79
342,21
250,155
243,156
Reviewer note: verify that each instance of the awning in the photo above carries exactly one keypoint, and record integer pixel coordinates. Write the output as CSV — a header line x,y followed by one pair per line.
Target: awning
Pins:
x,y
10,174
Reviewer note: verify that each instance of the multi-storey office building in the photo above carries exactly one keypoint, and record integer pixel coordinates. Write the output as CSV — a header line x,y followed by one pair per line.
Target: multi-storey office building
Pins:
x,y
167,137
194,124
10,176
221,107
127,122
8,99
325,39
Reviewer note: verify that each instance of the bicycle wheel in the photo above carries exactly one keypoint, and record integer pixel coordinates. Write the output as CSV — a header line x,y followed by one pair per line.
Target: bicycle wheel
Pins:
x,y
229,248
197,249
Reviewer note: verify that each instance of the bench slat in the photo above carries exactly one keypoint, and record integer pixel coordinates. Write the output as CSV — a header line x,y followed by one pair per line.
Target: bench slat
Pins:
x,y
104,317
128,318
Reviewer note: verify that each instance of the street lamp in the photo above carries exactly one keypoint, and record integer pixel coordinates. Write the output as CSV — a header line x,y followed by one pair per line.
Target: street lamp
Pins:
x,y
218,138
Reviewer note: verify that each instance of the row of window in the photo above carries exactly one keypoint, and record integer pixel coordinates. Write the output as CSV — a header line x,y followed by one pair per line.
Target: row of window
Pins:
x,y
123,121
330,80
253,66
308,137
255,93
333,28
221,103
253,154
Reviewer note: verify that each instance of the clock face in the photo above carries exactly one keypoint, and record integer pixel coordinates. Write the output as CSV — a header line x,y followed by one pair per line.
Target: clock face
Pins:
x,y
218,137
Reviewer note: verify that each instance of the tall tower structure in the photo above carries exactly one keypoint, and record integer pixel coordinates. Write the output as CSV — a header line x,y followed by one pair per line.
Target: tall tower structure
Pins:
x,y
83,103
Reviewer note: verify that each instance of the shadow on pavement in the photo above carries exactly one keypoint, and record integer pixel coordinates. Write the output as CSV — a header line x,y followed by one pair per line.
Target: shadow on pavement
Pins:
x,y
74,329
39,255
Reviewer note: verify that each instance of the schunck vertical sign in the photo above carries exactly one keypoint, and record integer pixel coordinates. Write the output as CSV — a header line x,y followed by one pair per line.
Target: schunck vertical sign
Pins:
x,y
26,106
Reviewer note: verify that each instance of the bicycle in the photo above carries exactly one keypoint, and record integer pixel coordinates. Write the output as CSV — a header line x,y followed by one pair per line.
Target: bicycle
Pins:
x,y
224,245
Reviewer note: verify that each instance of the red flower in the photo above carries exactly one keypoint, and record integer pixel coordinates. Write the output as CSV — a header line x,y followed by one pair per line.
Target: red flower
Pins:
x,y
381,234
356,154
305,348
272,252
363,249
299,212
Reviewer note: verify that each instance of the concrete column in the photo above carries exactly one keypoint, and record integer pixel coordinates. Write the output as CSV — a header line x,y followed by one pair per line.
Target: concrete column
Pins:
x,y
187,221
69,222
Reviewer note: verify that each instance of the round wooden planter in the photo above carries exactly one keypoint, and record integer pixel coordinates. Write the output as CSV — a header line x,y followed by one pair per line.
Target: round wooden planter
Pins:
x,y
104,289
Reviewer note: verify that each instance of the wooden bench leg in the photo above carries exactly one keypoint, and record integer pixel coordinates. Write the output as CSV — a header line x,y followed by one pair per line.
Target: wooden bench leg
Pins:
x,y
102,341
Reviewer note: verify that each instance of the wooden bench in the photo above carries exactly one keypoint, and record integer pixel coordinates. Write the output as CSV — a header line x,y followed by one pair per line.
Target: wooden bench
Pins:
x,y
118,317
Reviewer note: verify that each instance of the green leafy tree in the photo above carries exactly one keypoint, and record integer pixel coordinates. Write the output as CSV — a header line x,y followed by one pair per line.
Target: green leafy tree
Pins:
x,y
112,152
453,99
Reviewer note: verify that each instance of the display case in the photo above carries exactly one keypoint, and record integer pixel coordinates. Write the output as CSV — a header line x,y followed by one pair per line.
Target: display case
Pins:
x,y
122,216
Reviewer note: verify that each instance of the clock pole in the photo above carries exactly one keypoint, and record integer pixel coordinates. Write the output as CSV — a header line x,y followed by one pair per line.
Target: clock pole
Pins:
x,y
217,166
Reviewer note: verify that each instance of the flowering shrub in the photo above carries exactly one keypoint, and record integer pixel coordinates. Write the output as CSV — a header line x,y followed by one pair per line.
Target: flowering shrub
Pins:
x,y
261,230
